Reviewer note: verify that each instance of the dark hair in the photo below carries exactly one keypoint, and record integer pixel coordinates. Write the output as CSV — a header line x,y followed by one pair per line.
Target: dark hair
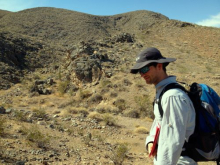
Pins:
x,y
155,64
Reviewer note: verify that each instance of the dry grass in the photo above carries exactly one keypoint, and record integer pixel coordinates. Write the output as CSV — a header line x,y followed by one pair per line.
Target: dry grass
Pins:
x,y
2,125
141,130
95,115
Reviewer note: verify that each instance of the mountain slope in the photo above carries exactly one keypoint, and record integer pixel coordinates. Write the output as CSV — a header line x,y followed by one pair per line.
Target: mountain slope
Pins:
x,y
65,26
3,13
39,37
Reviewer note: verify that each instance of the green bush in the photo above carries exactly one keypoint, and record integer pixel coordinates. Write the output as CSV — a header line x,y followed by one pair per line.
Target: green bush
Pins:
x,y
119,153
20,116
35,136
144,106
63,87
40,113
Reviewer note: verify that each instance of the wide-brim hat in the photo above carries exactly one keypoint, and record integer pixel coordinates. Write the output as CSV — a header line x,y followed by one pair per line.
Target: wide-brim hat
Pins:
x,y
147,56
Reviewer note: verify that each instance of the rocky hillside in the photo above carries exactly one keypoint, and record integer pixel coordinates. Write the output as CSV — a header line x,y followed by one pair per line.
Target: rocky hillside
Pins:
x,y
40,37
66,95
49,32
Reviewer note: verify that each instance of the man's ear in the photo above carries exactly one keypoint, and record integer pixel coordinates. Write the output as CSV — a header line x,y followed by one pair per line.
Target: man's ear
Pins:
x,y
160,66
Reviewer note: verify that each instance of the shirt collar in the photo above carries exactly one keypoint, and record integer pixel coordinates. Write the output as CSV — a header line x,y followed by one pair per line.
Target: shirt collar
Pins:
x,y
163,83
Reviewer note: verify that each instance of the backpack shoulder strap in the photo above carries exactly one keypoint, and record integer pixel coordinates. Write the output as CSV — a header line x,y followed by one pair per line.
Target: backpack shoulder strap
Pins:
x,y
166,88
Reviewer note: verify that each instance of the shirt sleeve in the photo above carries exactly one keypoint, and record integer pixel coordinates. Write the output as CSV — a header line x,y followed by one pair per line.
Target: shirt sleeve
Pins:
x,y
150,137
173,129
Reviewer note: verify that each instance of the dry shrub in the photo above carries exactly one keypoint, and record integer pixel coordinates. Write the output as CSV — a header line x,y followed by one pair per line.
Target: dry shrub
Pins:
x,y
144,106
96,115
108,119
99,137
68,103
96,98
140,84
78,110
119,153
20,115
34,135
72,110
104,90
127,82
148,119
120,103
105,108
2,126
83,111
39,113
83,94
132,113
113,94
105,83
63,87
141,130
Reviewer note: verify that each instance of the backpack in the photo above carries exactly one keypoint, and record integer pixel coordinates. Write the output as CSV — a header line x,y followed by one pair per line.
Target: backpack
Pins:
x,y
204,143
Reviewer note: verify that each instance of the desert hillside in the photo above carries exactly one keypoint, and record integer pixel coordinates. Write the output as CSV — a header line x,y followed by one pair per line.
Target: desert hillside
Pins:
x,y
66,94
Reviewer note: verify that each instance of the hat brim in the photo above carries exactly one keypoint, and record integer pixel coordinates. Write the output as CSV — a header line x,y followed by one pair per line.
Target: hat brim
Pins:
x,y
140,65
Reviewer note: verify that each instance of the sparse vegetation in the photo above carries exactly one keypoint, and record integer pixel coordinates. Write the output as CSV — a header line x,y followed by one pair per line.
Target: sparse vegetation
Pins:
x,y
141,130
34,135
2,126
113,94
119,153
106,108
145,106
105,83
182,69
83,111
20,115
209,68
96,98
84,94
96,115
63,86
98,137
40,113
132,113
120,103
87,138
108,119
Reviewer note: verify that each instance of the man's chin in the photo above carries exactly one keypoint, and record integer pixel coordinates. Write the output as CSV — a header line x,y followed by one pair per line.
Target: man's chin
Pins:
x,y
148,82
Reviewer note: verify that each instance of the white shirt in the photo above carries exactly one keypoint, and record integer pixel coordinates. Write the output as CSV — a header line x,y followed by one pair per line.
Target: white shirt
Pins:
x,y
177,123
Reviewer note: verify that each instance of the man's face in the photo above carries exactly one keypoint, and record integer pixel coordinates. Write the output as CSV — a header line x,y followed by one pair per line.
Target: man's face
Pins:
x,y
150,74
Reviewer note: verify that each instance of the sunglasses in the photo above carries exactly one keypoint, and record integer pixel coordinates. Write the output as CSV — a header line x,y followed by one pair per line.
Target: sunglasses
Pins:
x,y
144,70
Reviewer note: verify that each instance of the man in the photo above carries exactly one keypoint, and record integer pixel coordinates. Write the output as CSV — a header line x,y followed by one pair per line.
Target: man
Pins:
x,y
178,121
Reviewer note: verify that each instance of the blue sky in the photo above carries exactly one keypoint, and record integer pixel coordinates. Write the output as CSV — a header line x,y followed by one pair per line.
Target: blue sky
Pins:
x,y
202,12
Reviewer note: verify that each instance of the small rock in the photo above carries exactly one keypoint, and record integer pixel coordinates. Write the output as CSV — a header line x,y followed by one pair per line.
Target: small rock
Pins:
x,y
2,110
8,111
55,116
20,163
41,123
